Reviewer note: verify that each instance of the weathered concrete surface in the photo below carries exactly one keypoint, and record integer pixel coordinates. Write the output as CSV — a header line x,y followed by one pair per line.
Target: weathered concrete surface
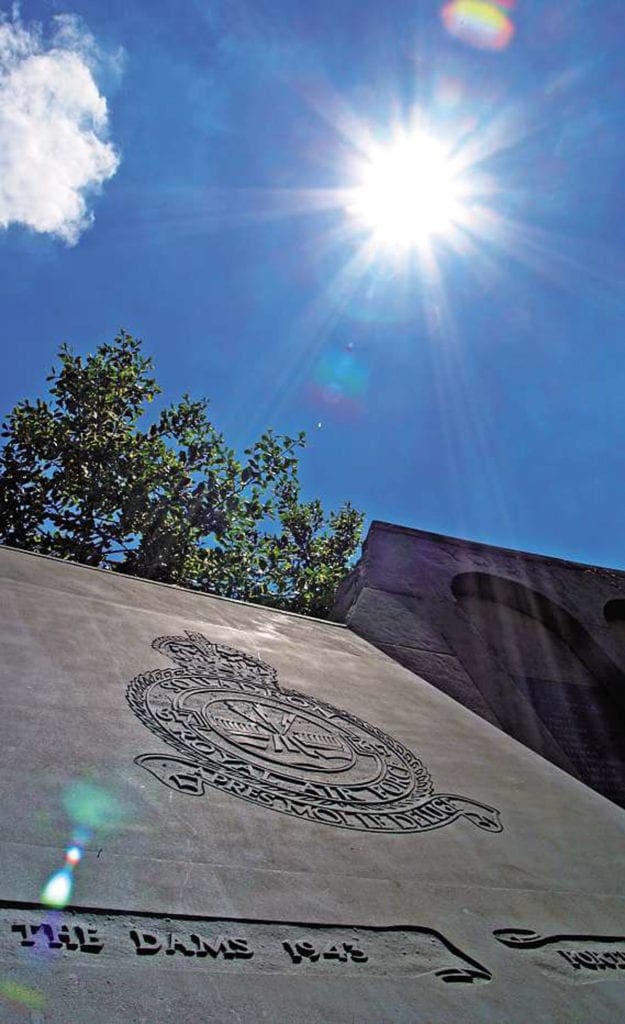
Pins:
x,y
535,645
443,893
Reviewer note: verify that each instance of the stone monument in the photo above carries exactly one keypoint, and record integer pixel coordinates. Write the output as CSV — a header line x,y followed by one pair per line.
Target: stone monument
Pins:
x,y
215,811
535,645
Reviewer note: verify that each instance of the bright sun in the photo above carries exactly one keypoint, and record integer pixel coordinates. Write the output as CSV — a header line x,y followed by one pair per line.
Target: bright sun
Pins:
x,y
407,193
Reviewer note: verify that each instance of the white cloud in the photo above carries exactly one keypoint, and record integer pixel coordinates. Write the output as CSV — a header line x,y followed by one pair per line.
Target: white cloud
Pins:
x,y
54,146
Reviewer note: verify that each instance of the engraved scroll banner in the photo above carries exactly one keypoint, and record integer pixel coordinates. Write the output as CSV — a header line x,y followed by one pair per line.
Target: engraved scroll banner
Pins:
x,y
440,809
239,732
574,957
97,938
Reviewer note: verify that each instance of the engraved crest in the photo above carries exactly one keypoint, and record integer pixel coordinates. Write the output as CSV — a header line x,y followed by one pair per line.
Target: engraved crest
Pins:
x,y
240,732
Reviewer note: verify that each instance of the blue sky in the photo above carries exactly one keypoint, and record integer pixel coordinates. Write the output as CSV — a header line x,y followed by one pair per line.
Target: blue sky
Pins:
x,y
478,392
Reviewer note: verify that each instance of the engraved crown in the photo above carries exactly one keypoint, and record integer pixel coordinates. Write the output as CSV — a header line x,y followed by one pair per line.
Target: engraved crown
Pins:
x,y
194,651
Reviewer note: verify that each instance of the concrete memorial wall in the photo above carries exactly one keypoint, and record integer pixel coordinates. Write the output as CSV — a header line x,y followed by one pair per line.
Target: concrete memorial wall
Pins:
x,y
535,645
219,812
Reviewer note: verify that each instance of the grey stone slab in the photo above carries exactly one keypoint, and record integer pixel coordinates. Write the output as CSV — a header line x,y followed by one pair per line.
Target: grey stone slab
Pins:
x,y
540,641
382,617
445,671
344,796
497,686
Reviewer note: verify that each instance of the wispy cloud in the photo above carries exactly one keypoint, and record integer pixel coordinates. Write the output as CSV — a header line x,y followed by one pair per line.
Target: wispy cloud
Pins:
x,y
54,146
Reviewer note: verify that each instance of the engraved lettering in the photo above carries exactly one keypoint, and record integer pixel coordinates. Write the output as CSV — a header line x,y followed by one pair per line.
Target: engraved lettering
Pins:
x,y
48,931
356,954
301,950
240,949
215,947
327,815
65,938
146,944
593,960
176,945
88,939
227,945
23,930
85,940
334,953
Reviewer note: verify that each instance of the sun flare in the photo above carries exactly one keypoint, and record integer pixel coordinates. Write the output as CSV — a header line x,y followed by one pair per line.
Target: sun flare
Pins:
x,y
408,192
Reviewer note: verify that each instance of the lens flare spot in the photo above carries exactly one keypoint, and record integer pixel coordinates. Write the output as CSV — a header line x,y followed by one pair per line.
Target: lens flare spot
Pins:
x,y
91,806
73,855
81,836
58,889
21,994
339,380
478,23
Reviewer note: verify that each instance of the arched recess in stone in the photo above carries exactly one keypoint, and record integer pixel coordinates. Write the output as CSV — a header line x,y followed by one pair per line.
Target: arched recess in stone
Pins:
x,y
571,683
614,615
614,610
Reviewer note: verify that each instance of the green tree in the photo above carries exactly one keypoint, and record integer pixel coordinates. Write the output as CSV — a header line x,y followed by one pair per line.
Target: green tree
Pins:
x,y
82,478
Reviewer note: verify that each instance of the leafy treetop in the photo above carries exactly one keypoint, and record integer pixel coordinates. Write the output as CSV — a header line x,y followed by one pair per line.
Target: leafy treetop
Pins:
x,y
80,478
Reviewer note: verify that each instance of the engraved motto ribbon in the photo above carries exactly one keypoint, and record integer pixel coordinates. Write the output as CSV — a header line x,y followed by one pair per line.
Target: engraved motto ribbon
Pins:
x,y
433,812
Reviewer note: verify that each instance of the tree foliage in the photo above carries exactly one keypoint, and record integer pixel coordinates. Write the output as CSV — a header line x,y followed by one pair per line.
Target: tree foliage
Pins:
x,y
83,477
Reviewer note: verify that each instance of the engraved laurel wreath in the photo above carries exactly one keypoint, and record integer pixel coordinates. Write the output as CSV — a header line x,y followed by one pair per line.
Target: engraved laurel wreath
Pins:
x,y
241,733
